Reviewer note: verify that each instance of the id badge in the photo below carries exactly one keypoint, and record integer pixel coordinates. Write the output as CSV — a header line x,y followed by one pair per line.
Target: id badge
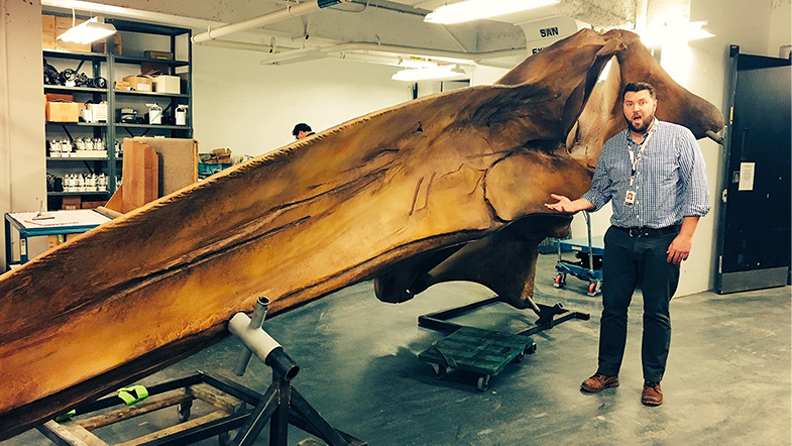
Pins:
x,y
629,198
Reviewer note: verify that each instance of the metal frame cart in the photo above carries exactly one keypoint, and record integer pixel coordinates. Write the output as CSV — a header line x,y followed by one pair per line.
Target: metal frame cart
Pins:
x,y
586,268
280,405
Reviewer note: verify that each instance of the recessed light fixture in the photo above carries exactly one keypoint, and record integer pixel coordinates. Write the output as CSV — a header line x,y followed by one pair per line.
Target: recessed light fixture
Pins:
x,y
481,9
442,72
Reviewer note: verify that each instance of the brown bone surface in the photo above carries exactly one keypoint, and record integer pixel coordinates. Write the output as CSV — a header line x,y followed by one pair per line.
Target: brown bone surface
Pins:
x,y
159,283
506,261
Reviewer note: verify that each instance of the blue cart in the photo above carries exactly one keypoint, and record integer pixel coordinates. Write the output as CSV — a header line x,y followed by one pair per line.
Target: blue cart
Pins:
x,y
588,266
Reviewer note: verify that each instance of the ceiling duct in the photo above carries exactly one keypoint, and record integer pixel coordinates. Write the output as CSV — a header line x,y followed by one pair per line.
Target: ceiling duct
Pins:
x,y
266,19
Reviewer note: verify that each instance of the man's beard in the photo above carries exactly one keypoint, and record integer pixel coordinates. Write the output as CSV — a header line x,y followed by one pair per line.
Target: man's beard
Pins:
x,y
642,129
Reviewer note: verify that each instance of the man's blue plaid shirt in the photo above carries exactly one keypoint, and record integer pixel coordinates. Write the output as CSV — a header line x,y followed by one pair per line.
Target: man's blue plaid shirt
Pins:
x,y
670,181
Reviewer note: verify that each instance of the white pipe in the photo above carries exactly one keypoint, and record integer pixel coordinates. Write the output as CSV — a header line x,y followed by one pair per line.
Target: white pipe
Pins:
x,y
266,19
255,339
290,56
234,45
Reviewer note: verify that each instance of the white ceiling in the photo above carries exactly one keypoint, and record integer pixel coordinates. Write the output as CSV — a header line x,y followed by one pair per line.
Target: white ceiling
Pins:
x,y
382,22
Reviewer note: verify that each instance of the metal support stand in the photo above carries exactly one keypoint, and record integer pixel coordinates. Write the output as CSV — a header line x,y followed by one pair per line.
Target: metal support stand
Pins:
x,y
548,316
281,404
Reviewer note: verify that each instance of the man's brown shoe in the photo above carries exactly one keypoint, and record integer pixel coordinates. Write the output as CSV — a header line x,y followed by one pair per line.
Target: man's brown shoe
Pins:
x,y
652,394
598,383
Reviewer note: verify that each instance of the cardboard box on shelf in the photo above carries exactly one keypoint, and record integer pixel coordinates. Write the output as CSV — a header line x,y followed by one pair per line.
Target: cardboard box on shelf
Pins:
x,y
63,112
150,68
100,46
121,85
63,24
92,204
139,83
163,55
71,203
167,84
55,97
48,32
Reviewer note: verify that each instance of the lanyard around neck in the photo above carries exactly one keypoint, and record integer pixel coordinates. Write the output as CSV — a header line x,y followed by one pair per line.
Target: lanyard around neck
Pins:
x,y
635,158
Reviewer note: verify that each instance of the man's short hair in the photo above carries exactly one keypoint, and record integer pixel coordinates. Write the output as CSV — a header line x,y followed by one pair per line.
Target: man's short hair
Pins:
x,y
638,86
301,127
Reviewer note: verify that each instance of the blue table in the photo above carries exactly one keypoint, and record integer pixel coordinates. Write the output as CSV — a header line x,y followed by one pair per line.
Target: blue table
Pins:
x,y
64,222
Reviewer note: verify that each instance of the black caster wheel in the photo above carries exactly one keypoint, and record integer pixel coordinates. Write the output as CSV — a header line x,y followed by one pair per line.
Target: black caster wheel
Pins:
x,y
531,349
439,371
483,383
519,357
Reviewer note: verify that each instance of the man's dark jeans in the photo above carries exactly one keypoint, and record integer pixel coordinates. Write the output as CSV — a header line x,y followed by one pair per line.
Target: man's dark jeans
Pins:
x,y
627,261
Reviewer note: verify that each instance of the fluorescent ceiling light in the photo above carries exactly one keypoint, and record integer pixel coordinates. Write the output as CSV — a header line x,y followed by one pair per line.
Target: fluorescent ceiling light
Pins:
x,y
443,72
481,9
660,35
88,31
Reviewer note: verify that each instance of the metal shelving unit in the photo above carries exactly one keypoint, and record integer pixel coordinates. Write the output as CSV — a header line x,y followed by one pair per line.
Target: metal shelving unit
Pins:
x,y
113,130
63,194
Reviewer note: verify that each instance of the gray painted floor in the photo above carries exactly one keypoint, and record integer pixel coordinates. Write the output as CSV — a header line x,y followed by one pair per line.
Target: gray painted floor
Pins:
x,y
728,380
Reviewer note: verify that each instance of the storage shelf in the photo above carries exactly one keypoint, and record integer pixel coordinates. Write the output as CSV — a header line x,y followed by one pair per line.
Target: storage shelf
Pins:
x,y
154,93
79,124
63,54
74,158
112,66
136,60
155,126
62,194
74,89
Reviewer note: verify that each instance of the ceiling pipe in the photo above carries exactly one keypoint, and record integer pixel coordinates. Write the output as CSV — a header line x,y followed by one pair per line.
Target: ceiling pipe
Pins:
x,y
234,45
477,57
267,19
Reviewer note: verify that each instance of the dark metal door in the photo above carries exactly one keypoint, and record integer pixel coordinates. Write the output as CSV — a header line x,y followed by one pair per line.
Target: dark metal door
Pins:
x,y
755,217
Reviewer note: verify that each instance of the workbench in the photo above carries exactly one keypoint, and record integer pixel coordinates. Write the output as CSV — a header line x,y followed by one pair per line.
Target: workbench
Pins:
x,y
63,222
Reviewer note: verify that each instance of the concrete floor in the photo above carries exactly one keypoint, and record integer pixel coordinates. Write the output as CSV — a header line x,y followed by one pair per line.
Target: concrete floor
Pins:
x,y
728,380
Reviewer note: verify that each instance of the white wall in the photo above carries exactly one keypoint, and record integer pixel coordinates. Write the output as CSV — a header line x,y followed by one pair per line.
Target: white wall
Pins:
x,y
22,149
780,27
251,108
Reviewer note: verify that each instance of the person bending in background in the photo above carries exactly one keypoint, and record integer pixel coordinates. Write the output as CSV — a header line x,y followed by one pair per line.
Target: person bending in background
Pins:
x,y
302,131
654,174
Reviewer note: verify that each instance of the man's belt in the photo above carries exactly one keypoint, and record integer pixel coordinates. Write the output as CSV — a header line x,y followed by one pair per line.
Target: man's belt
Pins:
x,y
650,232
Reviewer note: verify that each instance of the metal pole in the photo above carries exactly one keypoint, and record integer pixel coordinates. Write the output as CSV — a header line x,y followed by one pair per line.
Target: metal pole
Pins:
x,y
591,250
279,423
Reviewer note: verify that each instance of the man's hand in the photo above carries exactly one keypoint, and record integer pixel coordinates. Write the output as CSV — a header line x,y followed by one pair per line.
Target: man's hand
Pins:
x,y
679,249
565,205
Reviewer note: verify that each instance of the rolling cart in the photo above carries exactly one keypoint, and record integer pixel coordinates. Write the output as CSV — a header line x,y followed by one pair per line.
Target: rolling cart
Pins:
x,y
483,352
588,266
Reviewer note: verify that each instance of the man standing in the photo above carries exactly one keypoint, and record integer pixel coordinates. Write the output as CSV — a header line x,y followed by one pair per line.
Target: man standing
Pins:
x,y
655,176
302,131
